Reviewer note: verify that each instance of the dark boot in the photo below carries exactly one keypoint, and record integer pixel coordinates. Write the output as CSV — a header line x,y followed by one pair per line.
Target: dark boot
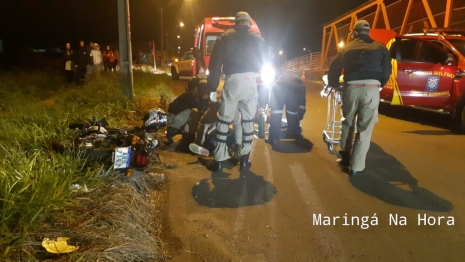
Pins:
x,y
272,141
245,163
235,154
345,159
170,133
186,140
215,166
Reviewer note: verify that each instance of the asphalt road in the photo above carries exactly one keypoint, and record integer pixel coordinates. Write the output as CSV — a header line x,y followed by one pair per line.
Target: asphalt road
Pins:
x,y
415,167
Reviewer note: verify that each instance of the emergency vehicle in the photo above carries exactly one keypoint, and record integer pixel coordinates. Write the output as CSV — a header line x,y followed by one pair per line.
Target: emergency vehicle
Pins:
x,y
428,71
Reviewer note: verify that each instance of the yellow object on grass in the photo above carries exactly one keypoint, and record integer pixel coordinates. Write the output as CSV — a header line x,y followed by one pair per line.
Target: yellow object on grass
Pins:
x,y
59,246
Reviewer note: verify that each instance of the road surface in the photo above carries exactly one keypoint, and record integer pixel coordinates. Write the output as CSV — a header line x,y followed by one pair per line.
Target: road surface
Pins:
x,y
415,172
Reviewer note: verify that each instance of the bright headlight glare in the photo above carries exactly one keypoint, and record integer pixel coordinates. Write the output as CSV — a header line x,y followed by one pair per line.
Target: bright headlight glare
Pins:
x,y
207,72
268,73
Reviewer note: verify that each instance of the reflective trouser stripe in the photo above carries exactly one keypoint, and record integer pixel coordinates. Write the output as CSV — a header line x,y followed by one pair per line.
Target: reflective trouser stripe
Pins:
x,y
291,113
277,111
224,122
247,121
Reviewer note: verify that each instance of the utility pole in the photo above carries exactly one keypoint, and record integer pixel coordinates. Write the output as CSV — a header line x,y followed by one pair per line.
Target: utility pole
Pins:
x,y
124,30
162,34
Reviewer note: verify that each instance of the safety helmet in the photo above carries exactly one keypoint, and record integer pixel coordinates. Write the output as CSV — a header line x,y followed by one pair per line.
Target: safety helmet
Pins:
x,y
155,119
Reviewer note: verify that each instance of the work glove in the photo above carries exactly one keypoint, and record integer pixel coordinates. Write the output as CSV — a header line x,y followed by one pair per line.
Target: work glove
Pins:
x,y
213,97
326,91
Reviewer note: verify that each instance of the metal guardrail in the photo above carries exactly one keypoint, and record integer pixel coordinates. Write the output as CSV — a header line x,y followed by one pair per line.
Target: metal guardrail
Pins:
x,y
309,62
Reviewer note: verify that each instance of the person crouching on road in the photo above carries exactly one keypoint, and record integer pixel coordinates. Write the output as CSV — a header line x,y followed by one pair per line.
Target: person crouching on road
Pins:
x,y
367,68
288,92
207,130
184,113
241,54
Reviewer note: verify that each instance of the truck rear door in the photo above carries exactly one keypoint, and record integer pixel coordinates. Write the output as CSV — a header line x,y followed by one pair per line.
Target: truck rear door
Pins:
x,y
424,73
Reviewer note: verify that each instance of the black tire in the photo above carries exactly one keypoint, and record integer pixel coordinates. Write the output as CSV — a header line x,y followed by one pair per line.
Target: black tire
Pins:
x,y
174,74
458,119
460,123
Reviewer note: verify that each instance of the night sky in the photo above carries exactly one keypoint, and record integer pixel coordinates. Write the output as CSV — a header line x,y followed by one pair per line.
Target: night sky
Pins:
x,y
290,25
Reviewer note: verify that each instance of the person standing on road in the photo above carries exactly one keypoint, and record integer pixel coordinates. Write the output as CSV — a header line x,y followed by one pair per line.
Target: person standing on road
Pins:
x,y
115,58
241,54
69,67
81,61
367,68
288,92
206,132
97,59
108,58
90,64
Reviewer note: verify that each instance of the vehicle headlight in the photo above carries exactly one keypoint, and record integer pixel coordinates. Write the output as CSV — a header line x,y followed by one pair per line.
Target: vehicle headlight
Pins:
x,y
267,74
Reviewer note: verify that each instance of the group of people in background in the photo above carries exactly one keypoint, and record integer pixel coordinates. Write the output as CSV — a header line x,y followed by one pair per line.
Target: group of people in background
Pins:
x,y
87,61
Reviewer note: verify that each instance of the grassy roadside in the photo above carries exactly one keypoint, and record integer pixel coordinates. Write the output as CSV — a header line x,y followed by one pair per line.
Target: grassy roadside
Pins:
x,y
114,221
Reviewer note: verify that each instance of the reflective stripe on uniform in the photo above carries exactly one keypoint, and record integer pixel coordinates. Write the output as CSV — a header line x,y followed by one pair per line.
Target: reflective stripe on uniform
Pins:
x,y
221,133
277,111
219,140
291,113
247,121
302,107
224,122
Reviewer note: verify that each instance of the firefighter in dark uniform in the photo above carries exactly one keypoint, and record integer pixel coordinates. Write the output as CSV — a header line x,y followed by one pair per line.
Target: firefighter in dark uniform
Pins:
x,y
241,53
287,92
367,68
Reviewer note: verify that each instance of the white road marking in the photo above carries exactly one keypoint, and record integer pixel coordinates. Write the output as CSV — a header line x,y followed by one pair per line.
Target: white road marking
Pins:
x,y
330,243
272,208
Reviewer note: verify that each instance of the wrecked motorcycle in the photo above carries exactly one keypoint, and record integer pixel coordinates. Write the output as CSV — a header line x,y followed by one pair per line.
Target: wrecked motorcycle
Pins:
x,y
123,148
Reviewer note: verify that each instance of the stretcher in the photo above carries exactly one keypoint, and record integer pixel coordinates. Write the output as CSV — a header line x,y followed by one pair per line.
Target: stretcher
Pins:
x,y
333,130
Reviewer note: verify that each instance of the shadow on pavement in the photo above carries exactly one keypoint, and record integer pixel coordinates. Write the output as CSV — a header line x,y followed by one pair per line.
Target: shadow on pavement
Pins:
x,y
416,116
388,180
291,146
223,192
432,132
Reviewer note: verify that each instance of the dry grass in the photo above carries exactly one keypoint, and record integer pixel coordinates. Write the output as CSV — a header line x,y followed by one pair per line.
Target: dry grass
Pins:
x,y
120,221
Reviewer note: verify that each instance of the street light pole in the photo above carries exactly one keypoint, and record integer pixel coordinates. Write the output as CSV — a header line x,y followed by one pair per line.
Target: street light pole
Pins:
x,y
124,31
162,34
